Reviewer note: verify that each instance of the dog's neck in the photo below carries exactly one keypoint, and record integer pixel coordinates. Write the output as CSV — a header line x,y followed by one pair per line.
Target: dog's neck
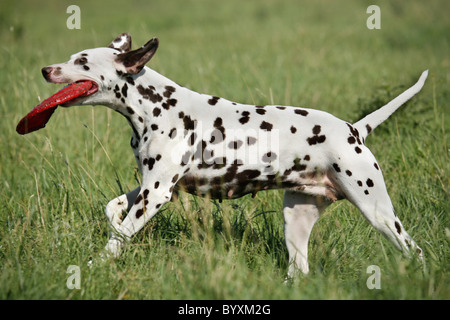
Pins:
x,y
141,98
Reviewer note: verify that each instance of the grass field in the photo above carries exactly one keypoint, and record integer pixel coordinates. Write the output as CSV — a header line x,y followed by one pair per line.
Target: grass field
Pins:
x,y
56,182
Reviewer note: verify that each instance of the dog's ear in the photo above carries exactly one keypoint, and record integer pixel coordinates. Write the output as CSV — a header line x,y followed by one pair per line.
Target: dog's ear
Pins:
x,y
121,43
134,61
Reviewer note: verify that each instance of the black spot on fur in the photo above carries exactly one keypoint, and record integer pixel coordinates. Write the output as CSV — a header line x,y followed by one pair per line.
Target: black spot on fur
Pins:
x,y
353,130
189,124
138,199
213,100
315,139
150,162
172,102
245,117
316,129
218,122
336,167
293,129
369,183
156,112
301,112
218,135
169,91
125,90
266,126
139,213
247,175
149,93
117,91
398,227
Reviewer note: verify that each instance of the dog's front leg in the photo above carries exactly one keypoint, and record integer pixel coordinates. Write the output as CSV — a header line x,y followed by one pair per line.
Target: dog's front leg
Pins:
x,y
117,206
153,194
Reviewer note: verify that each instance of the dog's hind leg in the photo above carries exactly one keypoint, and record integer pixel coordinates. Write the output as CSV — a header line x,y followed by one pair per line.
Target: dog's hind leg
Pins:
x,y
301,211
363,185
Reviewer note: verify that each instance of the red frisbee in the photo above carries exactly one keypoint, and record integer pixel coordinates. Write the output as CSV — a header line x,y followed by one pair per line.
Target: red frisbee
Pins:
x,y
38,117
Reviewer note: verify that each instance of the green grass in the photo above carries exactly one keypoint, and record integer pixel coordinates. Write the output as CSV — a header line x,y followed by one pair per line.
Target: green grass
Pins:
x,y
56,182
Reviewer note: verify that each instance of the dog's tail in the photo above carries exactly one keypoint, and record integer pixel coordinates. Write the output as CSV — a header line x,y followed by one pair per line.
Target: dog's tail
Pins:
x,y
367,124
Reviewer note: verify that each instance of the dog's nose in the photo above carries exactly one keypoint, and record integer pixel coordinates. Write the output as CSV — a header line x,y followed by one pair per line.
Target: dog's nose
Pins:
x,y
46,72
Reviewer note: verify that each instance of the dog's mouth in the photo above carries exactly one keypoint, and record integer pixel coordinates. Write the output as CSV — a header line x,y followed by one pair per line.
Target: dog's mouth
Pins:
x,y
38,117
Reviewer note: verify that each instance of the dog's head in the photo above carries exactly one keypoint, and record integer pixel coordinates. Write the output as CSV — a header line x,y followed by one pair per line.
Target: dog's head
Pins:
x,y
101,66
90,74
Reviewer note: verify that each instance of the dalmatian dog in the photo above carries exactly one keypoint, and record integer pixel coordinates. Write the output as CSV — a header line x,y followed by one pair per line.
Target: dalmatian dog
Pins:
x,y
206,145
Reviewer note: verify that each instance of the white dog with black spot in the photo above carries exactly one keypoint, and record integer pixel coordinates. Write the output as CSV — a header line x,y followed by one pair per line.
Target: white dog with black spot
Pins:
x,y
206,145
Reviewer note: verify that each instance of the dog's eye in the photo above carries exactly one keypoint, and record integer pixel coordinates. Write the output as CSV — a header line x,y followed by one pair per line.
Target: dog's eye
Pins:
x,y
81,61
